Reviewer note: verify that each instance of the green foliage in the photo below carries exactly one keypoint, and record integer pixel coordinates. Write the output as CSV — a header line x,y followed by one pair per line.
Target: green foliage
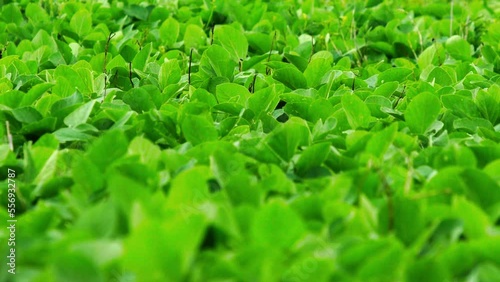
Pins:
x,y
251,140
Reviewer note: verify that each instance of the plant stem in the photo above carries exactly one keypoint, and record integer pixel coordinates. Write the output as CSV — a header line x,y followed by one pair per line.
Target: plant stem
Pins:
x,y
189,68
130,74
268,70
106,48
9,136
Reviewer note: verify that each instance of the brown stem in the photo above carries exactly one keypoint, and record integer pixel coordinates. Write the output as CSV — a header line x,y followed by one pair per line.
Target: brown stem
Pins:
x,y
212,35
268,70
252,85
130,74
189,68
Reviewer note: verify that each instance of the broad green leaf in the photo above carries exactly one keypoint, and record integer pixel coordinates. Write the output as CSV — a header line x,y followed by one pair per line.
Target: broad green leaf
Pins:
x,y
380,266
35,13
488,104
376,103
139,100
476,223
232,93
422,111
11,14
380,142
171,243
197,129
81,23
440,76
386,89
316,70
277,226
170,73
459,48
194,37
169,31
108,148
148,152
116,62
80,115
408,219
233,40
481,188
290,77
216,62
140,60
427,269
73,266
263,101
433,55
394,74
190,189
87,175
71,134
358,114
312,157
460,105
26,114
285,139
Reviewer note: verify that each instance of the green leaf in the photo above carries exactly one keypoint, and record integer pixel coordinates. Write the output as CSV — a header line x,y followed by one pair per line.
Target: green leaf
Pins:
x,y
394,74
71,134
108,148
459,48
312,157
460,105
316,70
285,139
488,103
408,219
440,76
263,101
426,269
169,31
171,243
291,77
422,111
277,226
197,129
35,13
386,89
232,93
380,142
73,266
139,100
216,62
26,114
141,58
80,115
11,14
194,37
86,174
358,114
170,73
476,223
148,152
233,40
482,188
190,189
81,23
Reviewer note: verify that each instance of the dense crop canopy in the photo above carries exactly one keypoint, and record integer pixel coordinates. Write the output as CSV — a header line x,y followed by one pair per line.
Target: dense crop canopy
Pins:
x,y
247,140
